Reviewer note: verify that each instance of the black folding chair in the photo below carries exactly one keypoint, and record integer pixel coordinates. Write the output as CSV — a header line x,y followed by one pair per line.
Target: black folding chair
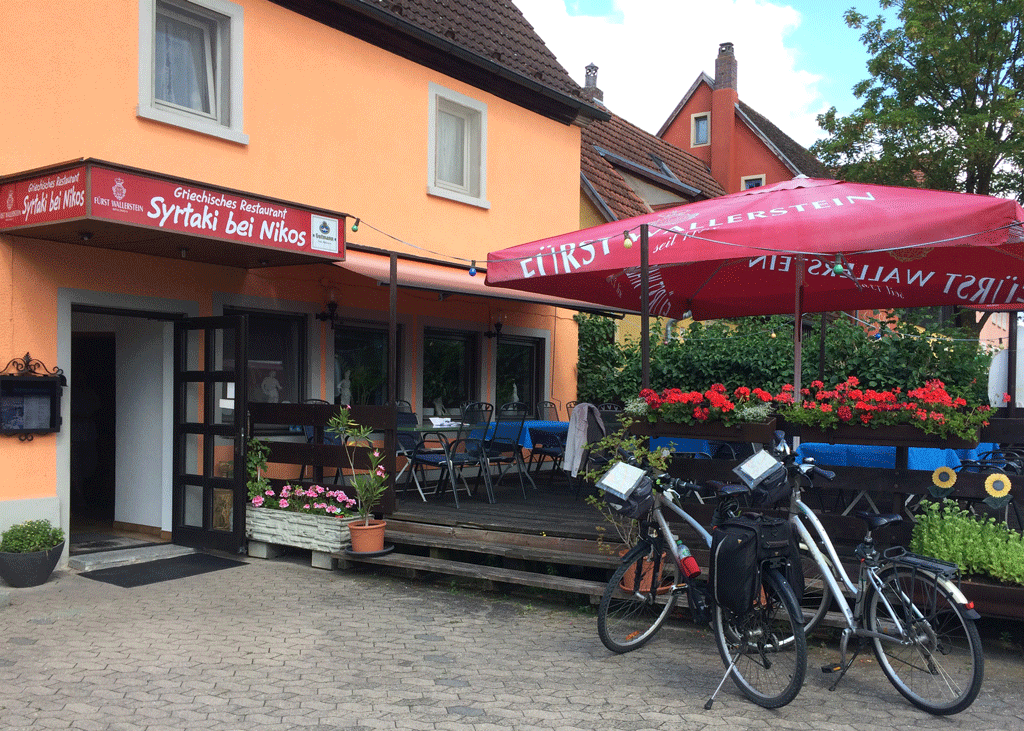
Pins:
x,y
468,449
547,411
503,447
546,445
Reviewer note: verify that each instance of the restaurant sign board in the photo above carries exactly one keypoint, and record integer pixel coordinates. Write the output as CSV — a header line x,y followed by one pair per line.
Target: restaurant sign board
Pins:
x,y
96,192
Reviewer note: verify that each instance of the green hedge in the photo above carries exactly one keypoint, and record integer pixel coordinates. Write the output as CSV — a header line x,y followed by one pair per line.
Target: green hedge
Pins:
x,y
758,351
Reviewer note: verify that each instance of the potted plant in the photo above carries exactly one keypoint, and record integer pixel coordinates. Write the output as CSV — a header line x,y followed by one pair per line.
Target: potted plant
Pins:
x,y
627,530
29,552
367,535
307,517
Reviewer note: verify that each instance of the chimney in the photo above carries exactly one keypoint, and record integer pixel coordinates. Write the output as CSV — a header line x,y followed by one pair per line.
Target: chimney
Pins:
x,y
725,68
590,90
724,98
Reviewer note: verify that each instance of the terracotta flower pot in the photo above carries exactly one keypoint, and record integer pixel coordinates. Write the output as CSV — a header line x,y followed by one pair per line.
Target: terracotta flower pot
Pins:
x,y
628,581
367,538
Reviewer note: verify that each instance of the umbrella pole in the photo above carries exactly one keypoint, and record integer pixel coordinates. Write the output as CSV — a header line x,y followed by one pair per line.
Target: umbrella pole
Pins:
x,y
645,309
798,331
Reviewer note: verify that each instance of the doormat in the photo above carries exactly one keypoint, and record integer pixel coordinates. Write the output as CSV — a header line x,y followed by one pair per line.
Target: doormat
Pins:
x,y
165,569
82,543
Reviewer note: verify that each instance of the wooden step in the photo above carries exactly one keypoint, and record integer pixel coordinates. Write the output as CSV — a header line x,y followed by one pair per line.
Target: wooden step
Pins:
x,y
526,553
475,571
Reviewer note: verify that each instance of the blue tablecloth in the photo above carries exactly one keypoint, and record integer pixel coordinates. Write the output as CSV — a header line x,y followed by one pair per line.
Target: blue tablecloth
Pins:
x,y
918,458
680,444
507,430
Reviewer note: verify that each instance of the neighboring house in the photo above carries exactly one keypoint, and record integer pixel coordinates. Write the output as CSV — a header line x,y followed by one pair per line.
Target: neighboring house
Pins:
x,y
742,148
626,172
170,161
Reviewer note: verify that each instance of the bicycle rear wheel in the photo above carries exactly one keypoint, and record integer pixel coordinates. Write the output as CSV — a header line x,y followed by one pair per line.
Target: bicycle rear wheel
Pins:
x,y
766,646
638,598
941,668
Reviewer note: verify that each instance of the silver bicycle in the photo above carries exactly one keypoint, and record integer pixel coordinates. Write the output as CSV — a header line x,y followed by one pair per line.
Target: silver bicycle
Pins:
x,y
763,648
909,608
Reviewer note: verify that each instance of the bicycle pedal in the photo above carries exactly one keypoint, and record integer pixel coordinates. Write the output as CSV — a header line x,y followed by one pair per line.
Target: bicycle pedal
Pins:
x,y
833,668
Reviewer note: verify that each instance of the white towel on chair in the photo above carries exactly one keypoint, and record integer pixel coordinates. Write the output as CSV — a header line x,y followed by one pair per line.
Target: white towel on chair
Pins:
x,y
576,440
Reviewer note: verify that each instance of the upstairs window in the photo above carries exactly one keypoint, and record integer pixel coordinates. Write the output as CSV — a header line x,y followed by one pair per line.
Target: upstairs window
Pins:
x,y
457,150
751,181
700,130
190,65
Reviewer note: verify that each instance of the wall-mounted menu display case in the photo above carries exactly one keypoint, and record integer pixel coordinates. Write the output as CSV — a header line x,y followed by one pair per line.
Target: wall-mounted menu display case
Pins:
x,y
30,397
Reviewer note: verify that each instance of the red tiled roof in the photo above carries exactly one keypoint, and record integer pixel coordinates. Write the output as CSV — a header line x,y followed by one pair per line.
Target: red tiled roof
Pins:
x,y
805,162
488,43
625,140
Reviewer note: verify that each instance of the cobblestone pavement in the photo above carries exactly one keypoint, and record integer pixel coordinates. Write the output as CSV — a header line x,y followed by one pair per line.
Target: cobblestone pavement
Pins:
x,y
278,645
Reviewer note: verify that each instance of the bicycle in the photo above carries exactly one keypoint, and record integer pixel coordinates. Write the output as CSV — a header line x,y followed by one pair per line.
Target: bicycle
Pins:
x,y
764,648
909,607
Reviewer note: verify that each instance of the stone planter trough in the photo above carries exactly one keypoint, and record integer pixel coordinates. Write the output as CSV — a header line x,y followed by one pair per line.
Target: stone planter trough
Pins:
x,y
267,530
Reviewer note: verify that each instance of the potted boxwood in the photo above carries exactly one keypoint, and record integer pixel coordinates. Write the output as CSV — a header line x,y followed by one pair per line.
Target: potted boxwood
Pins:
x,y
29,552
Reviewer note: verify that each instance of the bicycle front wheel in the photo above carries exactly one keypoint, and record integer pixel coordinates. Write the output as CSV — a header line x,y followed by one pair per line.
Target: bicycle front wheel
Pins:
x,y
638,598
766,647
938,665
817,597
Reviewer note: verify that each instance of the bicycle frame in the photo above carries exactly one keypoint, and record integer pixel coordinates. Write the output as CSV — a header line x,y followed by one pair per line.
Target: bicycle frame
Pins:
x,y
835,572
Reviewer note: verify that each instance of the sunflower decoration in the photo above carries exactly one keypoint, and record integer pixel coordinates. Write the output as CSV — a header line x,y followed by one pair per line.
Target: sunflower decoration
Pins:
x,y
943,480
998,488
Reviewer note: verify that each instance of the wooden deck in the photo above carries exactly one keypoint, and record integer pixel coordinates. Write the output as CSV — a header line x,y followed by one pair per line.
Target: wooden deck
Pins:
x,y
552,510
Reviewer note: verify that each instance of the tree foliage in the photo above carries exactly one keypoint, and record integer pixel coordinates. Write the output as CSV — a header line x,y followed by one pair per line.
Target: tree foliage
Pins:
x,y
758,352
942,106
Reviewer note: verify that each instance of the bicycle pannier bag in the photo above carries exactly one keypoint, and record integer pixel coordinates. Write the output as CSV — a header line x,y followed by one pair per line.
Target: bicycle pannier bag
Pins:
x,y
735,571
777,541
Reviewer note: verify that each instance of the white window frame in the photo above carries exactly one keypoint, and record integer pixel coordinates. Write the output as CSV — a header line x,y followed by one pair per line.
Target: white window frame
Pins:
x,y
226,19
750,178
474,113
693,129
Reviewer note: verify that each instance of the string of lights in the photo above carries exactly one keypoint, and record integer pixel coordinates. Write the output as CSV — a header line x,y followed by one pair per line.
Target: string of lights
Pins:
x,y
629,238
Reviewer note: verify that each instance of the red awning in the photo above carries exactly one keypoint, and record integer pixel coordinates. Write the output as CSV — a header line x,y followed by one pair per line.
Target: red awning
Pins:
x,y
445,280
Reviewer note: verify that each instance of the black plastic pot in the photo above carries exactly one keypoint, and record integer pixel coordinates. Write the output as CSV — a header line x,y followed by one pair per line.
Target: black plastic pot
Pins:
x,y
22,570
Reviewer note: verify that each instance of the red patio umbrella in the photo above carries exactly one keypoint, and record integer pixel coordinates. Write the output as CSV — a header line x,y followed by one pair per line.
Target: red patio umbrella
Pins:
x,y
739,254
805,245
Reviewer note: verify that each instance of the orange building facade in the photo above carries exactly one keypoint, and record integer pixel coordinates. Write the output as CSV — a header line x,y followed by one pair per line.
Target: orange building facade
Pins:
x,y
742,148
168,160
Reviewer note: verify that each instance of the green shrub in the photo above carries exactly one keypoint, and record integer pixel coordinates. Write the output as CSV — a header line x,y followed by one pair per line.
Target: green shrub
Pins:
x,y
979,546
758,351
32,535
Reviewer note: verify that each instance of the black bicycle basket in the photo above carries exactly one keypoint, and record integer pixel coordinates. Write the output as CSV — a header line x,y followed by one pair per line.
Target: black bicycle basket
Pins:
x,y
637,504
766,477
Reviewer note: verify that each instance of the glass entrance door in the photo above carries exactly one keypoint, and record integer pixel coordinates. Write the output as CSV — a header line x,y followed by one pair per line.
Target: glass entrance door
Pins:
x,y
209,492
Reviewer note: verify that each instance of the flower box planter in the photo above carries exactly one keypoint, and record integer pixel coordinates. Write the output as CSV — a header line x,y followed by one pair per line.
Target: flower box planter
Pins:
x,y
994,600
760,432
896,435
267,529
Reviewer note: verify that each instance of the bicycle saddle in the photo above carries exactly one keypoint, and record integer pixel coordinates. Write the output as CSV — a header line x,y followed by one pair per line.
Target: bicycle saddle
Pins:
x,y
877,520
728,490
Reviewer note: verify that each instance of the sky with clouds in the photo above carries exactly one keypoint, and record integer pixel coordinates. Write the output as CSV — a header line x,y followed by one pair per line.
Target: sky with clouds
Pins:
x,y
795,59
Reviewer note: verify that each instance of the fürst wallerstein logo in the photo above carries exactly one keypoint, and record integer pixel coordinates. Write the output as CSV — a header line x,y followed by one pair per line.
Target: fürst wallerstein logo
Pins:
x,y
119,190
10,199
325,228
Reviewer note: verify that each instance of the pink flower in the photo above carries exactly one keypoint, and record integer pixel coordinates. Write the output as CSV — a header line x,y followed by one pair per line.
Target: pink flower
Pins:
x,y
257,501
282,503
